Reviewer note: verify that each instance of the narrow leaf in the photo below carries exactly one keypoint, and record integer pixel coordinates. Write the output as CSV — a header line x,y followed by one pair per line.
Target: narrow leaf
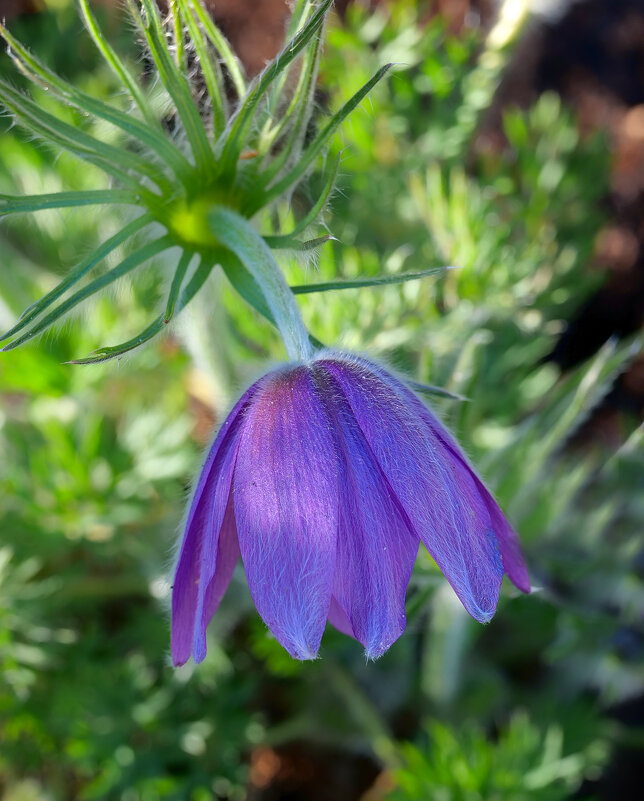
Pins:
x,y
319,204
360,283
10,204
177,283
79,142
243,119
321,140
177,33
127,265
276,126
78,272
152,137
105,354
117,66
176,84
194,285
297,115
428,389
221,45
209,67
289,243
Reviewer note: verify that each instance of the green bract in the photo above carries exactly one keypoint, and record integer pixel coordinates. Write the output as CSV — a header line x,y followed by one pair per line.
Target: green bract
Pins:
x,y
235,149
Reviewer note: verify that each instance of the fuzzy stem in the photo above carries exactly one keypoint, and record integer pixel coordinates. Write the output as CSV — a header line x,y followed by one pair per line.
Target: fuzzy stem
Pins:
x,y
239,236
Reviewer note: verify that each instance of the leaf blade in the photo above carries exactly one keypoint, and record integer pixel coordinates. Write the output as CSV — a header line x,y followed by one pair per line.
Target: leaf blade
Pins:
x,y
78,272
15,204
317,145
151,137
127,265
361,283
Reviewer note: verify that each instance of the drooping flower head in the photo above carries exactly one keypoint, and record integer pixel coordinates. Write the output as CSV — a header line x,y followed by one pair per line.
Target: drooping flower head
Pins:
x,y
325,478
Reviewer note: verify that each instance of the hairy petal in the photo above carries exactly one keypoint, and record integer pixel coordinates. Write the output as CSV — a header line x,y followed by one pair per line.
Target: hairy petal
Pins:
x,y
286,497
376,549
199,560
513,561
452,520
227,557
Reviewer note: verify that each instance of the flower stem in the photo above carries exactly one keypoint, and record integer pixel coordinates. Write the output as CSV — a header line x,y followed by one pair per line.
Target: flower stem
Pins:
x,y
239,236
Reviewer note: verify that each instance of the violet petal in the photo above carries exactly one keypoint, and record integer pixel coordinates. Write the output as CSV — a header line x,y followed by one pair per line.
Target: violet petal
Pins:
x,y
285,496
198,561
376,549
453,524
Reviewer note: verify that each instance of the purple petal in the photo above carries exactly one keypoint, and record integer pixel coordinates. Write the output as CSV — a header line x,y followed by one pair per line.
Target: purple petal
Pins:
x,y
513,562
286,498
376,549
339,619
227,557
198,563
452,521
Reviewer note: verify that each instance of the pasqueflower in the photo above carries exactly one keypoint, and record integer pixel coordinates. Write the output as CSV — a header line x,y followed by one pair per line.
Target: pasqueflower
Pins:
x,y
325,477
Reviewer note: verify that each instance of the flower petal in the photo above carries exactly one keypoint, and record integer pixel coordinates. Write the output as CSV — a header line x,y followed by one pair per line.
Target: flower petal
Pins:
x,y
286,498
198,559
453,524
339,619
226,559
513,561
376,549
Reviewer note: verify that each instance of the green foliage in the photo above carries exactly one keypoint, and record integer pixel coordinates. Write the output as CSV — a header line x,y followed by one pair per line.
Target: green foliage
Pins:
x,y
468,765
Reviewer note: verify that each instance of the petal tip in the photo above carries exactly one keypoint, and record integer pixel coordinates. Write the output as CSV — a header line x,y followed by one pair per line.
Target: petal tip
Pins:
x,y
522,582
302,652
375,651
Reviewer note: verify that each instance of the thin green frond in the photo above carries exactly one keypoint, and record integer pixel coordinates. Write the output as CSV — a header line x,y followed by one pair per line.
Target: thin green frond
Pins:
x,y
209,67
113,352
237,134
322,139
151,137
298,19
79,272
313,213
176,85
361,283
10,204
194,285
118,67
301,10
177,283
429,389
128,264
82,144
295,120
177,33
288,243
219,42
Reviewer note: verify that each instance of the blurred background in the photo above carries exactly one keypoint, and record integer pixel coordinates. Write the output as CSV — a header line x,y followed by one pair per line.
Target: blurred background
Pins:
x,y
510,145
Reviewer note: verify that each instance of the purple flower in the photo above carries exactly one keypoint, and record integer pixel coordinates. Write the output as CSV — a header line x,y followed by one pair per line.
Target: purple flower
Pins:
x,y
325,477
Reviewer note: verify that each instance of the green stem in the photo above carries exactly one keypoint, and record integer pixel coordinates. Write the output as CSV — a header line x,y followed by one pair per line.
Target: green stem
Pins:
x,y
239,236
